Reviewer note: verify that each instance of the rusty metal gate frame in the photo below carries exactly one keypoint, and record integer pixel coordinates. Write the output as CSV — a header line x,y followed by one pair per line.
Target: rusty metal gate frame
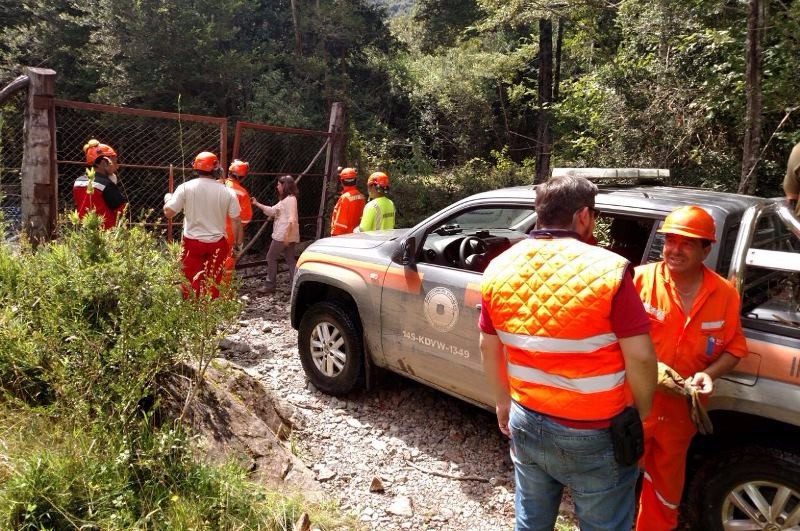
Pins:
x,y
237,150
168,170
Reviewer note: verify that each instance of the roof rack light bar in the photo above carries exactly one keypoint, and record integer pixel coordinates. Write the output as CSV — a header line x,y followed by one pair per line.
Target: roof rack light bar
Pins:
x,y
615,174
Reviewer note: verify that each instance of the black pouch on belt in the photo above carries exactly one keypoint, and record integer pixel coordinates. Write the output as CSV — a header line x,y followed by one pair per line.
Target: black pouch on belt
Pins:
x,y
628,437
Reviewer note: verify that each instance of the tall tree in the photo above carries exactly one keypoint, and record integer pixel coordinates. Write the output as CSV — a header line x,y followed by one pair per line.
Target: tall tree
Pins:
x,y
543,132
753,60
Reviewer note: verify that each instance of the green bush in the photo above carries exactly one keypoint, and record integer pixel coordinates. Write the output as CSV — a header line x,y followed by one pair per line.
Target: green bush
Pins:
x,y
90,320
418,196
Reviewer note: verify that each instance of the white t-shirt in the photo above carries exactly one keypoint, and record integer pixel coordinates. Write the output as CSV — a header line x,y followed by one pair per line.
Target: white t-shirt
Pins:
x,y
206,204
285,212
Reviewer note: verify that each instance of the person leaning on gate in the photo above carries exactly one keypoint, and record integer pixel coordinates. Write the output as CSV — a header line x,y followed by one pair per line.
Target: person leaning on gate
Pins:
x,y
349,207
698,335
206,204
237,171
791,182
379,213
98,188
565,346
285,231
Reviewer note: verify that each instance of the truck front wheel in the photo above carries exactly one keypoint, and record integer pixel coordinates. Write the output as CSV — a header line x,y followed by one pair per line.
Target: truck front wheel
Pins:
x,y
330,349
747,488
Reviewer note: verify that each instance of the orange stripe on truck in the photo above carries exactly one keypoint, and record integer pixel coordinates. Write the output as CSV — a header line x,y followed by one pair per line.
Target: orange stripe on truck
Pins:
x,y
776,362
472,295
396,278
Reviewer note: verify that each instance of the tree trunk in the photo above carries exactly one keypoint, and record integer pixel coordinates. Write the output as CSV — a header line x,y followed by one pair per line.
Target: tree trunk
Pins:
x,y
298,45
559,43
756,19
543,140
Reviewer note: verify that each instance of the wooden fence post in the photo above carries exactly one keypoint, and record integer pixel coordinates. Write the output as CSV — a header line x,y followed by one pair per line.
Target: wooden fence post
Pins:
x,y
39,175
332,158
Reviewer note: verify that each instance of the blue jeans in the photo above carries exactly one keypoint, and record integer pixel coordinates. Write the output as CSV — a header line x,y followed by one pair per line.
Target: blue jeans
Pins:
x,y
549,456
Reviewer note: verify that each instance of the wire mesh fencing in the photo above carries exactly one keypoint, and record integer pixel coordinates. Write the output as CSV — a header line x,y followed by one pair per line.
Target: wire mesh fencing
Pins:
x,y
273,151
153,145
149,145
12,116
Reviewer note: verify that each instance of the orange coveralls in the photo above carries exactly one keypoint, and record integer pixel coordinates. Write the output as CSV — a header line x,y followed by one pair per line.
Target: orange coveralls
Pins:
x,y
347,212
246,215
688,344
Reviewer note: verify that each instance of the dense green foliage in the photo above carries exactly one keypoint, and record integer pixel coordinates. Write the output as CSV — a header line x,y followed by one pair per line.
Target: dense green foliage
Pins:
x,y
432,85
88,326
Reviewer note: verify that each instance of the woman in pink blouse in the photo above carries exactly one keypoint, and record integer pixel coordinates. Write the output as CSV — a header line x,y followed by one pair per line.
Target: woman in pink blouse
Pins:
x,y
285,231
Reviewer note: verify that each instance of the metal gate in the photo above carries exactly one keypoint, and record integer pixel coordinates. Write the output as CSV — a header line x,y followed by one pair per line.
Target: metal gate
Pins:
x,y
150,144
156,150
273,151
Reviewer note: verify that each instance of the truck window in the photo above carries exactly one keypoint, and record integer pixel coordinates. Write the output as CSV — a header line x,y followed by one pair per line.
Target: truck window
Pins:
x,y
771,287
627,236
471,238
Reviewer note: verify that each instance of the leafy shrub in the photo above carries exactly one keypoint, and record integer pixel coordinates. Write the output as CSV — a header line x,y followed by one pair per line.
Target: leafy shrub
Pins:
x,y
90,320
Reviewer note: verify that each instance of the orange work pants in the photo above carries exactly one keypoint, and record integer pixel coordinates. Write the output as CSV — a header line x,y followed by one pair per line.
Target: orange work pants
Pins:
x,y
668,431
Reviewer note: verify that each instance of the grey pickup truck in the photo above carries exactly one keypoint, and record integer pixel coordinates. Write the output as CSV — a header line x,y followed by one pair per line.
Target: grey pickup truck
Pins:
x,y
408,301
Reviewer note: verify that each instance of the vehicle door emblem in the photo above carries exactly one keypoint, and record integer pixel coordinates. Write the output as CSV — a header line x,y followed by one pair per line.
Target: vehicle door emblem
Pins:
x,y
441,309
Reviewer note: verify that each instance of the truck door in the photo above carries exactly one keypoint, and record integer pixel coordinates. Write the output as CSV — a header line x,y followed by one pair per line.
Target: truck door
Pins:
x,y
430,325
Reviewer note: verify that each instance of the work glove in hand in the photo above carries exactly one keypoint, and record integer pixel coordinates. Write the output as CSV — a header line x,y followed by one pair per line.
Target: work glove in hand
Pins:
x,y
670,382
699,415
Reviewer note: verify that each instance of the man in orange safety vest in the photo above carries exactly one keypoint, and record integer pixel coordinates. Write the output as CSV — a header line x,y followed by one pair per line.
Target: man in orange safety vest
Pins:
x,y
565,346
237,171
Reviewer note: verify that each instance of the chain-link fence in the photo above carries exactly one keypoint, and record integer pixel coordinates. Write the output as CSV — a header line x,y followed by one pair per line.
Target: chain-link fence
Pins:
x,y
274,151
153,145
149,144
12,115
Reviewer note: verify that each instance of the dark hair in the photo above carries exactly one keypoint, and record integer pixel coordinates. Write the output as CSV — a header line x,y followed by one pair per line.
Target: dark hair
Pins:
x,y
558,199
289,186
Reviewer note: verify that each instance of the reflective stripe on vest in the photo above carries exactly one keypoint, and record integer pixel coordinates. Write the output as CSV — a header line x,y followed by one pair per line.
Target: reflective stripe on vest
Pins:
x,y
552,344
588,384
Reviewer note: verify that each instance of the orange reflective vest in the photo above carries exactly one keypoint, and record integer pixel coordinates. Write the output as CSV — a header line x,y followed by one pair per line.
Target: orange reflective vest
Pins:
x,y
550,302
347,212
244,204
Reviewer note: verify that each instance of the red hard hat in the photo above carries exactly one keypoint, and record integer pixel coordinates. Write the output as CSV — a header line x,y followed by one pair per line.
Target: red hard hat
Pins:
x,y
239,168
347,173
95,149
206,162
690,221
378,179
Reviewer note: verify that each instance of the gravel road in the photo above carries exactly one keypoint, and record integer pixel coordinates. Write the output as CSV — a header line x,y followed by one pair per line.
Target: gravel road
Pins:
x,y
398,456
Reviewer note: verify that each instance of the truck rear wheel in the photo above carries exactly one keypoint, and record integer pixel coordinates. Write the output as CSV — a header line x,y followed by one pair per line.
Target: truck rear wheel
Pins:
x,y
747,488
330,349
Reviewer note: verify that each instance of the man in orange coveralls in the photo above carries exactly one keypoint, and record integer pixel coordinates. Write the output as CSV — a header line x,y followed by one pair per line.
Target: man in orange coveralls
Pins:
x,y
237,171
696,330
349,207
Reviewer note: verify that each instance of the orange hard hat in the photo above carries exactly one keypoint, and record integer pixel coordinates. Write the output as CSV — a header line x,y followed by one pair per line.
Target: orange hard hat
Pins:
x,y
205,162
239,168
348,173
690,221
379,179
95,149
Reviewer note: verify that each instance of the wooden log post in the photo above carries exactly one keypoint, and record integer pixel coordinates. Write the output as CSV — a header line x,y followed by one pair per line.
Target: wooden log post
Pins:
x,y
333,157
39,176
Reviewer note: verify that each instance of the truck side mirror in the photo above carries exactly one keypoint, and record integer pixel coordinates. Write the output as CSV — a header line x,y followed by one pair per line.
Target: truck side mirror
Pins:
x,y
407,251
